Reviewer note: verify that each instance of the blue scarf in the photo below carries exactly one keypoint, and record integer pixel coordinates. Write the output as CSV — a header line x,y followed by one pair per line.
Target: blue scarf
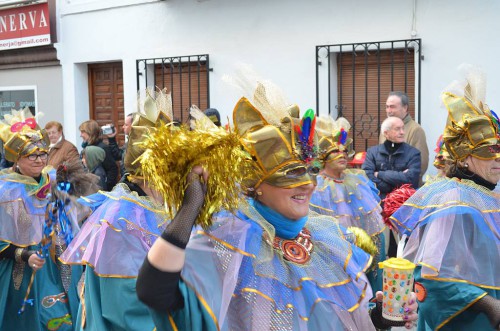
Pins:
x,y
284,227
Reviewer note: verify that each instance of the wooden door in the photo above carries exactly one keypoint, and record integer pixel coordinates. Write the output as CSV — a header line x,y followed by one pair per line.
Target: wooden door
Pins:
x,y
106,95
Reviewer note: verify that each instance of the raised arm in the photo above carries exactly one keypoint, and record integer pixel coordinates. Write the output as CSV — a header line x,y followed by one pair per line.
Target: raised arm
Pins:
x,y
157,283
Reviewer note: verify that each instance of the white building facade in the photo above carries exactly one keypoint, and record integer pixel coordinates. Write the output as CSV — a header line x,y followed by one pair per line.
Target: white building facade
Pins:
x,y
279,38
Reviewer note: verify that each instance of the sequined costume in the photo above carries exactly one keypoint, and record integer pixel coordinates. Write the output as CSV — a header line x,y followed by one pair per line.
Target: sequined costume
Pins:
x,y
352,201
53,293
236,279
113,243
453,222
453,272
351,198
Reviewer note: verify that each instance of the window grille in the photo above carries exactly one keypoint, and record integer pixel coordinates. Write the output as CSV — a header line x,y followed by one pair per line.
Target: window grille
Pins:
x,y
353,81
185,77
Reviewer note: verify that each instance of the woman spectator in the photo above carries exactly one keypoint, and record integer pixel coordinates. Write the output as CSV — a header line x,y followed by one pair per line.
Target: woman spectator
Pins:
x,y
269,265
92,157
347,194
60,150
90,131
33,234
453,222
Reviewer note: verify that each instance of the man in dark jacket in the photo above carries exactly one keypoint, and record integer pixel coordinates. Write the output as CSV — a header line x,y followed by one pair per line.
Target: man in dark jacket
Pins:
x,y
394,162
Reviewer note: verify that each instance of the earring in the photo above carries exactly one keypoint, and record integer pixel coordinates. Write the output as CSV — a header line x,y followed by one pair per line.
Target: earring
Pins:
x,y
259,193
466,165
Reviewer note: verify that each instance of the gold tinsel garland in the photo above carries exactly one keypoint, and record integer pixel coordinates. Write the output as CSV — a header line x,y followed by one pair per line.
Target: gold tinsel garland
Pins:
x,y
171,153
363,240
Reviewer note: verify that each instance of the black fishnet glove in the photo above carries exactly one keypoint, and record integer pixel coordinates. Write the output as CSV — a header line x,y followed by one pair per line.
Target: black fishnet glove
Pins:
x,y
178,231
381,323
491,307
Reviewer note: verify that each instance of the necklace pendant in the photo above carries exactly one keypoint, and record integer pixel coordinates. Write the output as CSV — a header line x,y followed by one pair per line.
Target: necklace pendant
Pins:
x,y
297,250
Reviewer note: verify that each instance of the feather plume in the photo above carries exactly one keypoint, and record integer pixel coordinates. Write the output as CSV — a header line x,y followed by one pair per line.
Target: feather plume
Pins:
x,y
268,98
306,132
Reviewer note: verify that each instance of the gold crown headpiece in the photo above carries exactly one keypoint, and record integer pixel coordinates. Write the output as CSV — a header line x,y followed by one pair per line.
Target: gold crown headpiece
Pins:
x,y
154,110
21,134
284,150
333,136
471,128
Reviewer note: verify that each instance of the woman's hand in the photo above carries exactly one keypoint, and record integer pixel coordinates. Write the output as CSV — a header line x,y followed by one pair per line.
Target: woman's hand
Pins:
x,y
409,316
168,254
410,309
200,171
178,231
35,262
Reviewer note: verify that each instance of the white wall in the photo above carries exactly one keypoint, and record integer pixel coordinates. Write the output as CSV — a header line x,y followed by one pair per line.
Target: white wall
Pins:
x,y
278,38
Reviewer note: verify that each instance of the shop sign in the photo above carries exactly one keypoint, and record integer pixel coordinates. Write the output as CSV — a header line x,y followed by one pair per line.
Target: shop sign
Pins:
x,y
17,97
24,26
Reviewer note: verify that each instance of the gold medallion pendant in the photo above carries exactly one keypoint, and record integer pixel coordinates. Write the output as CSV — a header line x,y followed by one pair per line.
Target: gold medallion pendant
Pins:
x,y
297,250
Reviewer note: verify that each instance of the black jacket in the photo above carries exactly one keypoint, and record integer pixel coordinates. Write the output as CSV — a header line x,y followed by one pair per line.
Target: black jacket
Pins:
x,y
391,168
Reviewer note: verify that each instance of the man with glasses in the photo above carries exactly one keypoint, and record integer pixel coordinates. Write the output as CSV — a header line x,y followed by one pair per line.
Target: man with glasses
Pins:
x,y
397,106
392,163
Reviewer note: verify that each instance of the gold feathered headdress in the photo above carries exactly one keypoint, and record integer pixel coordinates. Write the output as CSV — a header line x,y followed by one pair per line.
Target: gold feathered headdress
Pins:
x,y
471,128
282,145
333,136
155,110
21,134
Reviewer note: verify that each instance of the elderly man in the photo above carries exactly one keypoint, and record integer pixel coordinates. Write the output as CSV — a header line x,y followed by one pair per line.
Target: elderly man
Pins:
x,y
394,162
397,106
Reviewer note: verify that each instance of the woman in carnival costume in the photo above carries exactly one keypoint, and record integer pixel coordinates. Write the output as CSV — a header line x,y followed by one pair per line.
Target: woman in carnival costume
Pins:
x,y
38,292
453,223
441,160
114,240
264,263
347,194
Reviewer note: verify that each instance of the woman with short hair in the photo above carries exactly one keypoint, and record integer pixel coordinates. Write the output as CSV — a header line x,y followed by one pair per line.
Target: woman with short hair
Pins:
x,y
60,150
